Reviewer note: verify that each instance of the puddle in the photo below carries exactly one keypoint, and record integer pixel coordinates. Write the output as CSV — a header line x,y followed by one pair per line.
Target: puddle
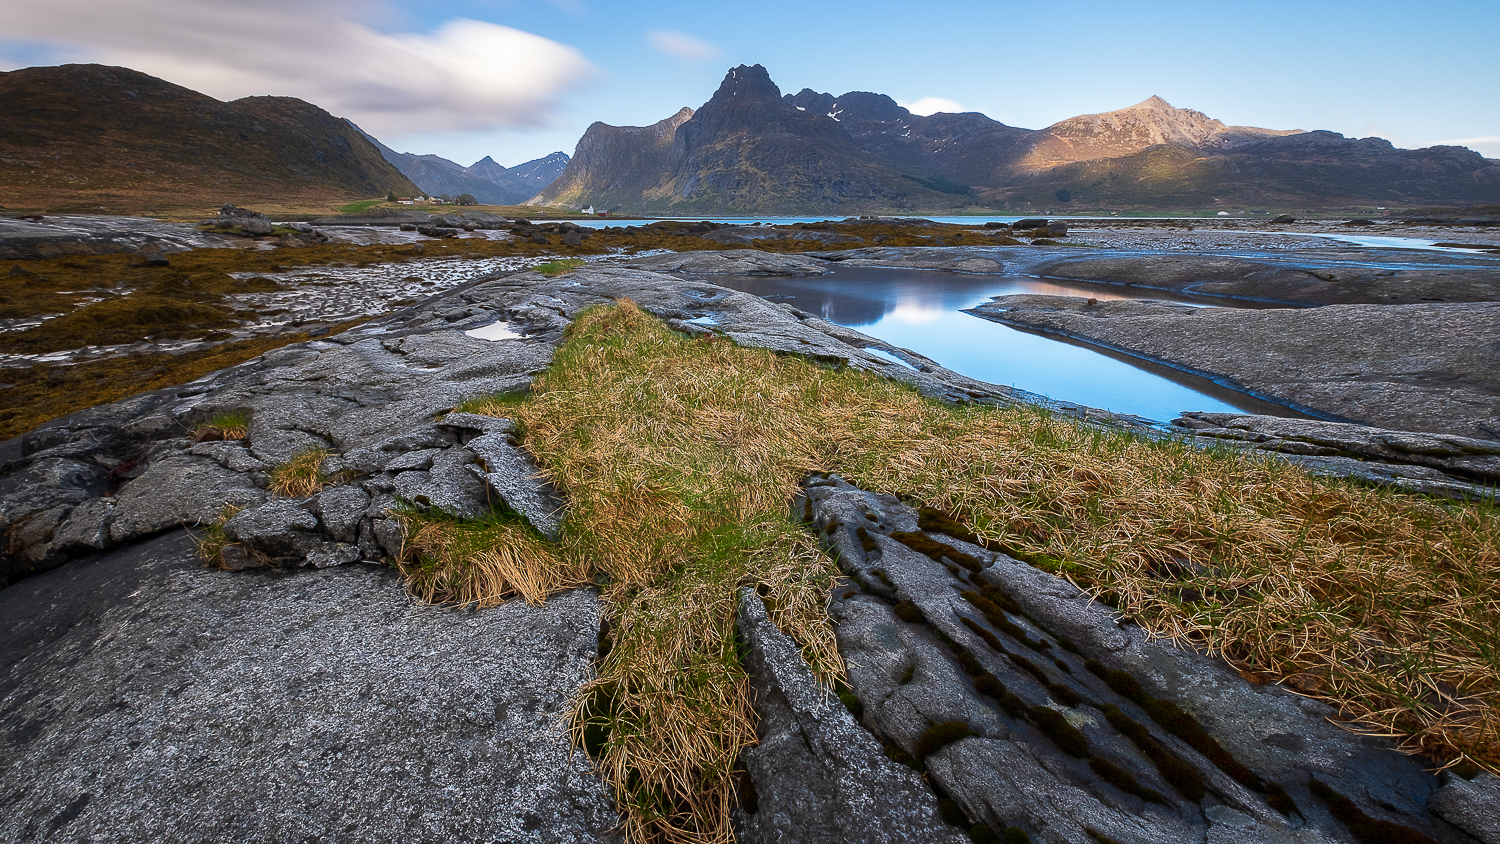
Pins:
x,y
882,353
494,331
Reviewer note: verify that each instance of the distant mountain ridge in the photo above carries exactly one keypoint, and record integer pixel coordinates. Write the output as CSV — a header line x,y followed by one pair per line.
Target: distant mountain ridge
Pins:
x,y
83,136
485,180
750,149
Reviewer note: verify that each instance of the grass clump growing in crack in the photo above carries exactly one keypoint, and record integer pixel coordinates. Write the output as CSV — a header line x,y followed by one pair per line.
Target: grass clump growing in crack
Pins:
x,y
479,561
562,266
302,475
211,541
232,425
679,456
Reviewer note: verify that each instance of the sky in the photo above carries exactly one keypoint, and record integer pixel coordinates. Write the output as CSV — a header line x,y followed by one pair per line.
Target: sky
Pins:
x,y
518,80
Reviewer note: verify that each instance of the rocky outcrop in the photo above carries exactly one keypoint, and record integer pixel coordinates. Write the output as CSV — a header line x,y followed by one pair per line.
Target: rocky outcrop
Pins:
x,y
1308,278
1405,367
1031,709
737,262
148,699
327,705
378,401
1428,463
51,237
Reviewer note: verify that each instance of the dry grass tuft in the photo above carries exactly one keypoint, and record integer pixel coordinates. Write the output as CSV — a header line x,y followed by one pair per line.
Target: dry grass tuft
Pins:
x,y
446,559
680,456
302,475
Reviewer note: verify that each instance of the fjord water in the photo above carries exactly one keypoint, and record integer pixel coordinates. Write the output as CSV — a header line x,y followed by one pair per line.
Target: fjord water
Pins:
x,y
922,311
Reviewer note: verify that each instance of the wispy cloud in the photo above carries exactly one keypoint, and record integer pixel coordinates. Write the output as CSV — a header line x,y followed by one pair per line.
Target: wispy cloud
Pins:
x,y
465,75
931,105
681,45
1487,146
1463,142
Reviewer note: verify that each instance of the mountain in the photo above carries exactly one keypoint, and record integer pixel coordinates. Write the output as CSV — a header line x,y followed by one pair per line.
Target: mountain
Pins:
x,y
485,180
83,136
751,150
1130,130
747,151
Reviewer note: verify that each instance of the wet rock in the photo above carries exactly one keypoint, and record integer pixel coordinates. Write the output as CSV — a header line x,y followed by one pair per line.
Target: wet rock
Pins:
x,y
437,231
1282,219
1030,223
817,775
326,706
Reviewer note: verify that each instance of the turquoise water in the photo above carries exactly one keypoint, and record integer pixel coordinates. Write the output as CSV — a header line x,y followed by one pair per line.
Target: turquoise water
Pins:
x,y
922,311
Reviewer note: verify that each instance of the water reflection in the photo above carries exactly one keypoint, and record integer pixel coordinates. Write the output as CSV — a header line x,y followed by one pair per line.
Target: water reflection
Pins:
x,y
922,311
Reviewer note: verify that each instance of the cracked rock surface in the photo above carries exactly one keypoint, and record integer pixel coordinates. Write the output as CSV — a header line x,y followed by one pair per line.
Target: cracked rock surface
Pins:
x,y
287,705
1076,726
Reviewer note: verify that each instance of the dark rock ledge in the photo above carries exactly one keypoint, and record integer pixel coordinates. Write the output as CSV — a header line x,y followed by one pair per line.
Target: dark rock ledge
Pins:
x,y
1030,707
150,699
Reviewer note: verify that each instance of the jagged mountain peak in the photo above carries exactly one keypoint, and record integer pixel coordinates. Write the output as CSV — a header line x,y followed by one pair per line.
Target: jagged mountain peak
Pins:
x,y
752,81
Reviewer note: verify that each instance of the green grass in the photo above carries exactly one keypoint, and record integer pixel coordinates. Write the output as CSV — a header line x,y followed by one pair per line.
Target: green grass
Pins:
x,y
559,267
233,425
362,205
679,457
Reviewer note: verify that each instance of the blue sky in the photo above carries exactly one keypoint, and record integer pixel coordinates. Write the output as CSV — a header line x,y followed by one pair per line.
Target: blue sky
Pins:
x,y
516,80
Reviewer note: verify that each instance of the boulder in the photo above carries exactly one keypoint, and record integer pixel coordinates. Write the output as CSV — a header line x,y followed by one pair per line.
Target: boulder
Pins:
x,y
1030,223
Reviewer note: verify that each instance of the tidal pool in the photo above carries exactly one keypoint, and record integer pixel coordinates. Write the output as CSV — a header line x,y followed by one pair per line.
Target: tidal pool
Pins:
x,y
922,310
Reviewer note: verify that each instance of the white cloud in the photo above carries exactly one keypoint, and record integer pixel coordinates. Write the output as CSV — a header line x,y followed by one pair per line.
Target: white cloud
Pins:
x,y
465,75
1488,146
680,45
931,105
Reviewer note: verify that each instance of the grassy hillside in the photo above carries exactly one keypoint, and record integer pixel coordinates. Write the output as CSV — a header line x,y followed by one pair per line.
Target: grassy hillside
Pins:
x,y
80,138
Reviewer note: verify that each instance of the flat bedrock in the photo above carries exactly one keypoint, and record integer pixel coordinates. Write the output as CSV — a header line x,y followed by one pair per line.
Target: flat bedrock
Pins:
x,y
1428,367
149,699
1302,278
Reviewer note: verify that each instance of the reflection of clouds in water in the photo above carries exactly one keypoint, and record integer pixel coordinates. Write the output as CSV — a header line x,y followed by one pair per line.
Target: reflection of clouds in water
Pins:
x,y
920,311
916,312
